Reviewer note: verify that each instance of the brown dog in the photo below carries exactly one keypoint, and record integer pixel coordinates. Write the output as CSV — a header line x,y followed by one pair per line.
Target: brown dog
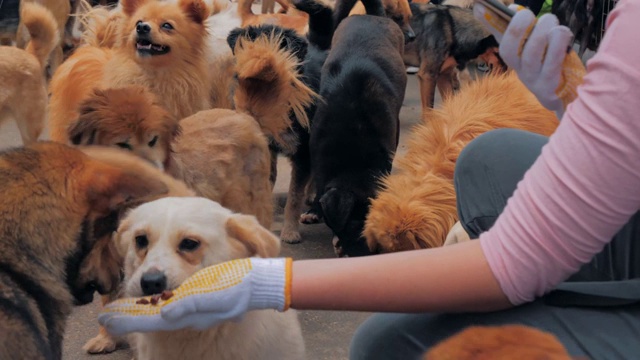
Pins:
x,y
418,206
294,19
22,73
504,342
58,207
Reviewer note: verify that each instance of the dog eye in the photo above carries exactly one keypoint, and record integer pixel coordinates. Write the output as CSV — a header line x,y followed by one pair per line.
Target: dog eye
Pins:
x,y
188,245
153,141
167,26
142,241
124,145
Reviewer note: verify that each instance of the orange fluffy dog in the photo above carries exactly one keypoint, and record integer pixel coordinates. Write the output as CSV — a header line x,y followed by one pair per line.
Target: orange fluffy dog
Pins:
x,y
499,343
293,19
163,49
23,92
418,206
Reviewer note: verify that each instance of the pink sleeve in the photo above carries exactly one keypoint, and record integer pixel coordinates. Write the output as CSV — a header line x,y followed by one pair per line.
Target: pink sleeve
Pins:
x,y
586,183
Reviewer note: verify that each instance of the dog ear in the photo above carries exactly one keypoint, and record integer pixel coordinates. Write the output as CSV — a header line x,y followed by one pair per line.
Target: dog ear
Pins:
x,y
256,238
84,130
196,10
295,44
337,206
130,6
232,38
111,189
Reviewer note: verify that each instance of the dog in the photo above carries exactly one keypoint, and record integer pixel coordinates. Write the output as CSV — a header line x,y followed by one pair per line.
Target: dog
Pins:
x,y
9,21
397,10
355,130
417,206
499,343
22,73
164,50
447,38
168,240
59,209
294,19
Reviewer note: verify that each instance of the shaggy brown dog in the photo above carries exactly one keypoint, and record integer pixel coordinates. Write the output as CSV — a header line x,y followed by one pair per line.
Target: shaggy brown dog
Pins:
x,y
59,209
164,47
294,19
418,206
505,342
23,91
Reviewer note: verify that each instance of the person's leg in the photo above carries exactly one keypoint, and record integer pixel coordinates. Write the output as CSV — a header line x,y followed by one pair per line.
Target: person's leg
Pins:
x,y
608,333
487,173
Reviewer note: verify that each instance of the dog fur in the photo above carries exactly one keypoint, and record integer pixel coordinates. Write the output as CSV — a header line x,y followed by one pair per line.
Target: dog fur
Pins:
x,y
417,207
220,235
447,38
294,19
499,343
355,130
22,73
67,205
180,78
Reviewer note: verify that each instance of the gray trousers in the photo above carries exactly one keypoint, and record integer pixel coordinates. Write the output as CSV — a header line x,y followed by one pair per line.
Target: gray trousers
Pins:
x,y
595,313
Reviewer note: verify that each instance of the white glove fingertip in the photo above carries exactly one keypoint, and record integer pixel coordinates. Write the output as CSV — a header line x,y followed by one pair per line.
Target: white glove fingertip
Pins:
x,y
514,37
559,41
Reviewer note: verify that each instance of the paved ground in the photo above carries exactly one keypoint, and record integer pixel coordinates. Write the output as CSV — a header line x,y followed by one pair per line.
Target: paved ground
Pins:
x,y
327,334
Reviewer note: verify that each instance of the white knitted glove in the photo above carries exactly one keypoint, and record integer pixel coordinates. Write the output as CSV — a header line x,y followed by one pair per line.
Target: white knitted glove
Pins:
x,y
209,297
539,50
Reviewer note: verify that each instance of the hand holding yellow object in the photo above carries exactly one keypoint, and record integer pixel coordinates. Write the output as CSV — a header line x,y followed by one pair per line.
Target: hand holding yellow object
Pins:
x,y
539,50
209,297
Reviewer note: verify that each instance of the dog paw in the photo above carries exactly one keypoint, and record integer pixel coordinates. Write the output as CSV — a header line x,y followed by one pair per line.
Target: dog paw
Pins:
x,y
309,217
101,344
290,236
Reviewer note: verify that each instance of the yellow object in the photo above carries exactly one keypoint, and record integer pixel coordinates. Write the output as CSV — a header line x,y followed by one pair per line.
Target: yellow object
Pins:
x,y
207,280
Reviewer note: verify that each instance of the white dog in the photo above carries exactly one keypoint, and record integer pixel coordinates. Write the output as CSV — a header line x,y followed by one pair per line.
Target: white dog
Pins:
x,y
167,240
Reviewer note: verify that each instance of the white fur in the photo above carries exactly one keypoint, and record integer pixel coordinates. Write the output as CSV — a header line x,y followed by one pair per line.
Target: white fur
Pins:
x,y
262,334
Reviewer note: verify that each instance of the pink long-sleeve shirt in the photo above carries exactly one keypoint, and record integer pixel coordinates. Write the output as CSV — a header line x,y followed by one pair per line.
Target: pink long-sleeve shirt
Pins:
x,y
586,183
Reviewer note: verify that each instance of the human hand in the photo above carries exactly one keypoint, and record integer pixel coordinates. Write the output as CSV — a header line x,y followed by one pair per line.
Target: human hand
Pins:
x,y
540,53
207,298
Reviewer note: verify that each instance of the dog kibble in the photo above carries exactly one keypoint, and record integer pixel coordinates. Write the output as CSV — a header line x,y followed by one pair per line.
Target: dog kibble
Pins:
x,y
166,295
142,302
155,299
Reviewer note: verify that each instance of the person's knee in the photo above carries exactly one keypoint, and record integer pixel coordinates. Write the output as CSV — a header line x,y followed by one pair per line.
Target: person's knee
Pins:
x,y
389,336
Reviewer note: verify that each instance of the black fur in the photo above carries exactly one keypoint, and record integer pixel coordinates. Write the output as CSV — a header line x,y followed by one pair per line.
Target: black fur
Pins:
x,y
290,40
355,130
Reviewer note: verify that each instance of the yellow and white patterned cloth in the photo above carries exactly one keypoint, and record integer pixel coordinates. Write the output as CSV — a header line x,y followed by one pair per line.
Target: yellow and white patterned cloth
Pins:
x,y
540,52
210,296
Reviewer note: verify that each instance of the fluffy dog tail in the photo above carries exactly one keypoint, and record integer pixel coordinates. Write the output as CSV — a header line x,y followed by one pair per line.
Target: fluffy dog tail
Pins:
x,y
417,207
43,30
269,84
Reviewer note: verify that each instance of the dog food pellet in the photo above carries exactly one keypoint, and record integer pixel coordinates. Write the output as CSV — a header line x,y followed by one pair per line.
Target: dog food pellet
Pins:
x,y
142,302
155,299
166,295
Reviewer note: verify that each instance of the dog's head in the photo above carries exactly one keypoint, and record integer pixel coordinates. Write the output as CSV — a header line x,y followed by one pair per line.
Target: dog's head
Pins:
x,y
128,118
163,33
400,12
57,204
167,240
289,40
345,212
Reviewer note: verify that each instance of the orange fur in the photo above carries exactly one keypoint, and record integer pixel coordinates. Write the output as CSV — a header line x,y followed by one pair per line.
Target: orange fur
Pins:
x,y
499,343
269,86
417,207
294,19
180,78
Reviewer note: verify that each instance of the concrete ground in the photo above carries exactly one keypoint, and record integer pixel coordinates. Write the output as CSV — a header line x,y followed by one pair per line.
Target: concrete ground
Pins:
x,y
327,334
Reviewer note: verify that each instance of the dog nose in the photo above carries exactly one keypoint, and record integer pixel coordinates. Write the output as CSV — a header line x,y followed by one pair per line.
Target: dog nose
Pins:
x,y
153,282
410,35
143,28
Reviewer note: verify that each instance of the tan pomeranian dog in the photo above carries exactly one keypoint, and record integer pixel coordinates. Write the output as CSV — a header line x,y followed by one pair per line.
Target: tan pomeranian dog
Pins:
x,y
23,96
417,207
162,48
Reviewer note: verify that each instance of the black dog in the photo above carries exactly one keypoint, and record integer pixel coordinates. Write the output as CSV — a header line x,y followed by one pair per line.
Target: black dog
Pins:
x,y
354,133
